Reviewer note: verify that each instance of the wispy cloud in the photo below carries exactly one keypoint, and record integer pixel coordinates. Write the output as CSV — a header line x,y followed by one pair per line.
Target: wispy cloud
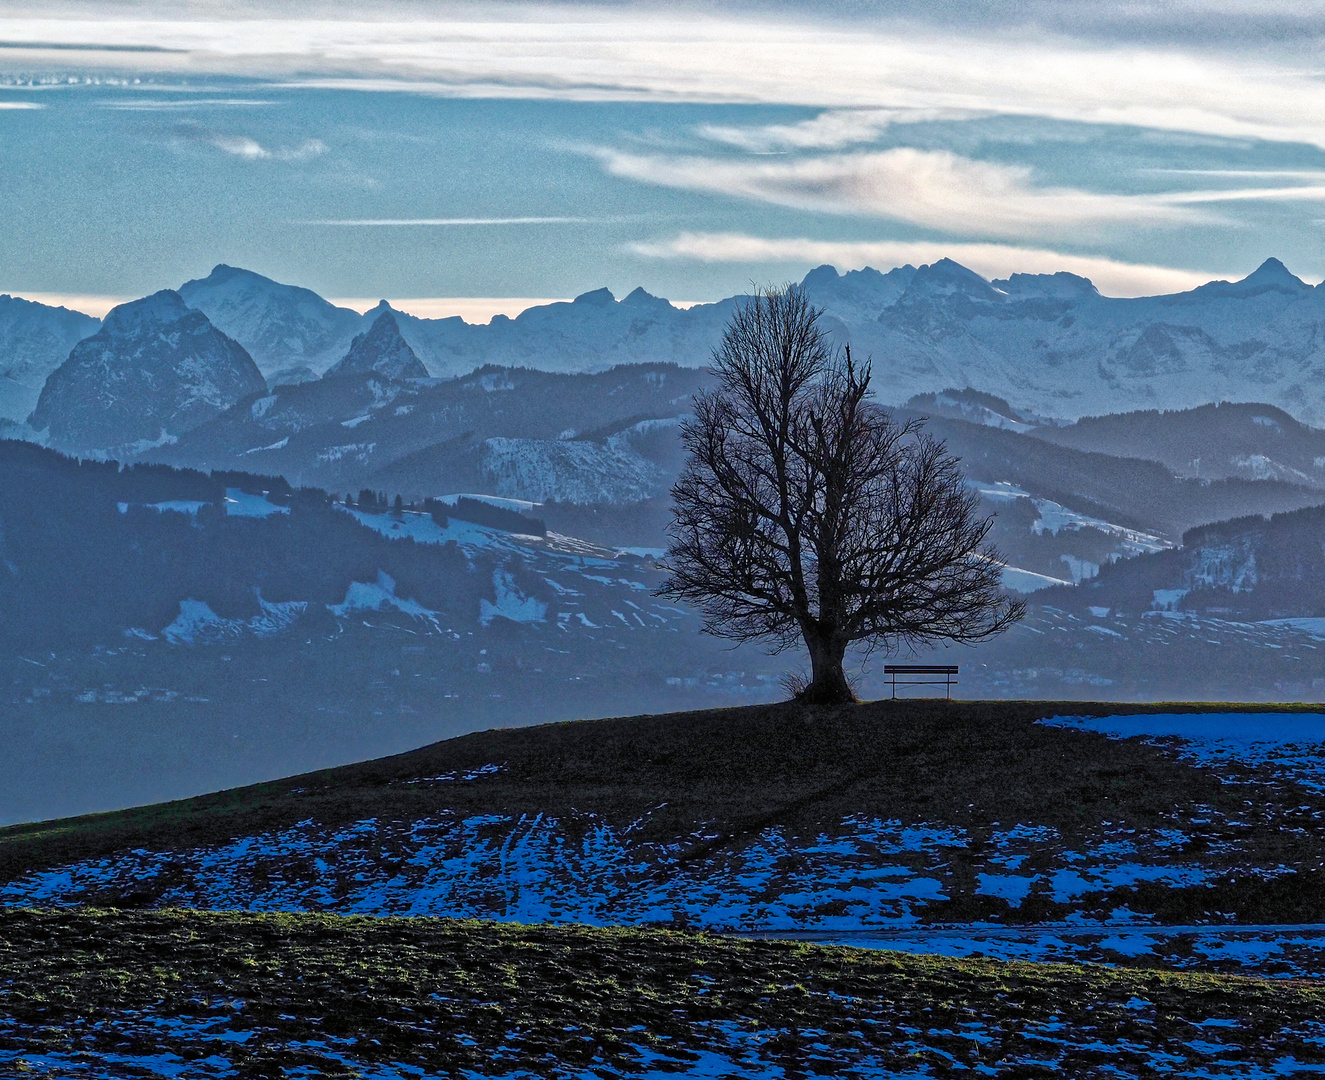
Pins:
x,y
830,130
457,221
932,188
1294,193
21,105
147,105
243,146
1111,276
1219,82
1243,174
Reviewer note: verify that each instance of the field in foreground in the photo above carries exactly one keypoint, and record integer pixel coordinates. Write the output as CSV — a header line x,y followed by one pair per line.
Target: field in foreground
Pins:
x,y
733,771
1184,839
203,994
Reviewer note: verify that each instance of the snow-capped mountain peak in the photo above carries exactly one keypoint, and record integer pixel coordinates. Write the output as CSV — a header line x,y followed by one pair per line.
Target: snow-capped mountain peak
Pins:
x,y
1059,286
1270,276
646,301
948,278
138,316
281,326
156,369
381,349
858,295
34,341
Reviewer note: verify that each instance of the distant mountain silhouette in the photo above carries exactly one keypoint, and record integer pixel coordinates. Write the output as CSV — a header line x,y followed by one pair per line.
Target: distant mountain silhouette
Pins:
x,y
283,327
1047,343
156,369
382,350
35,339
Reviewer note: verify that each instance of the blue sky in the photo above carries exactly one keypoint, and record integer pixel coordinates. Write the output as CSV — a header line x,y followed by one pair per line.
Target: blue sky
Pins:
x,y
446,150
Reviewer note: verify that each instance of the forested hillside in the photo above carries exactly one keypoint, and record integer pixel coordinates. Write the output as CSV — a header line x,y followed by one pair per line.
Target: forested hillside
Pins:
x,y
92,550
1251,568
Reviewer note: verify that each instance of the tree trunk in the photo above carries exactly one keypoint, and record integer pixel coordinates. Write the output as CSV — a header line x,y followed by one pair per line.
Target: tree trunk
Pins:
x,y
828,682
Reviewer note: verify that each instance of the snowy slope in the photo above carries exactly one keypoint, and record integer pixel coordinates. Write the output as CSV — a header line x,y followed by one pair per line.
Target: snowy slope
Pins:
x,y
1070,352
154,370
282,326
35,339
1253,441
526,434
1032,887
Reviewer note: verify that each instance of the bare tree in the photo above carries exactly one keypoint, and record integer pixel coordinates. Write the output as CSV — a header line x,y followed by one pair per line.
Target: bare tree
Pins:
x,y
806,513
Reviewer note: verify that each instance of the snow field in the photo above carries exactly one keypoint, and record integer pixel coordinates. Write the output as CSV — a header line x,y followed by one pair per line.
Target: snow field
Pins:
x,y
1291,745
866,877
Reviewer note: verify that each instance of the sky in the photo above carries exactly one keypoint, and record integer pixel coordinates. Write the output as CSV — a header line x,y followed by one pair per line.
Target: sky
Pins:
x,y
433,150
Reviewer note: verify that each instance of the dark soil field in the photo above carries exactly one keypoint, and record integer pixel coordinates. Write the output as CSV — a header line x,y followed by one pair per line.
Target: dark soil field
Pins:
x,y
193,994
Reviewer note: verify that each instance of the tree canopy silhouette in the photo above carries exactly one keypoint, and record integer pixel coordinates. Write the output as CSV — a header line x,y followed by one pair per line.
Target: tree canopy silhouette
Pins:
x,y
806,513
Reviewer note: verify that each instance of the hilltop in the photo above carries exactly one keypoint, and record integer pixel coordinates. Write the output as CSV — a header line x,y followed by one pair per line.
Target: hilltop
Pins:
x,y
758,818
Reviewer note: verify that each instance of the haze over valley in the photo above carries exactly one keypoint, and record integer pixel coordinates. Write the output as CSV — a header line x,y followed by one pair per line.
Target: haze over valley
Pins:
x,y
311,449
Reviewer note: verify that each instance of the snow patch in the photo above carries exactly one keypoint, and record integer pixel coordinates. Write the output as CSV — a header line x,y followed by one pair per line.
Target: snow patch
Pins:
x,y
1289,744
1028,581
1167,599
510,603
280,444
242,504
1055,517
379,596
196,620
1315,627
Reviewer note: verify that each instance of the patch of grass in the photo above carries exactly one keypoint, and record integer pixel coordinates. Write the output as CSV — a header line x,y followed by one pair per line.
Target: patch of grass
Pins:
x,y
269,993
740,770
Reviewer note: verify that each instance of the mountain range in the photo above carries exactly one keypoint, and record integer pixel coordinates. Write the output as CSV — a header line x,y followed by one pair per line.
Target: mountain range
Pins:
x,y
1210,442
1048,343
1053,344
516,433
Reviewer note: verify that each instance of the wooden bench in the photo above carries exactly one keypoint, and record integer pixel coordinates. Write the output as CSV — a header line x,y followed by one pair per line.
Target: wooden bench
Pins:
x,y
933,672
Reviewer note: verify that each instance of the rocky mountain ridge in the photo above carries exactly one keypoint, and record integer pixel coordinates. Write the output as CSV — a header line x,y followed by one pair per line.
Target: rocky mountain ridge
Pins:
x,y
35,339
1050,344
380,350
154,370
